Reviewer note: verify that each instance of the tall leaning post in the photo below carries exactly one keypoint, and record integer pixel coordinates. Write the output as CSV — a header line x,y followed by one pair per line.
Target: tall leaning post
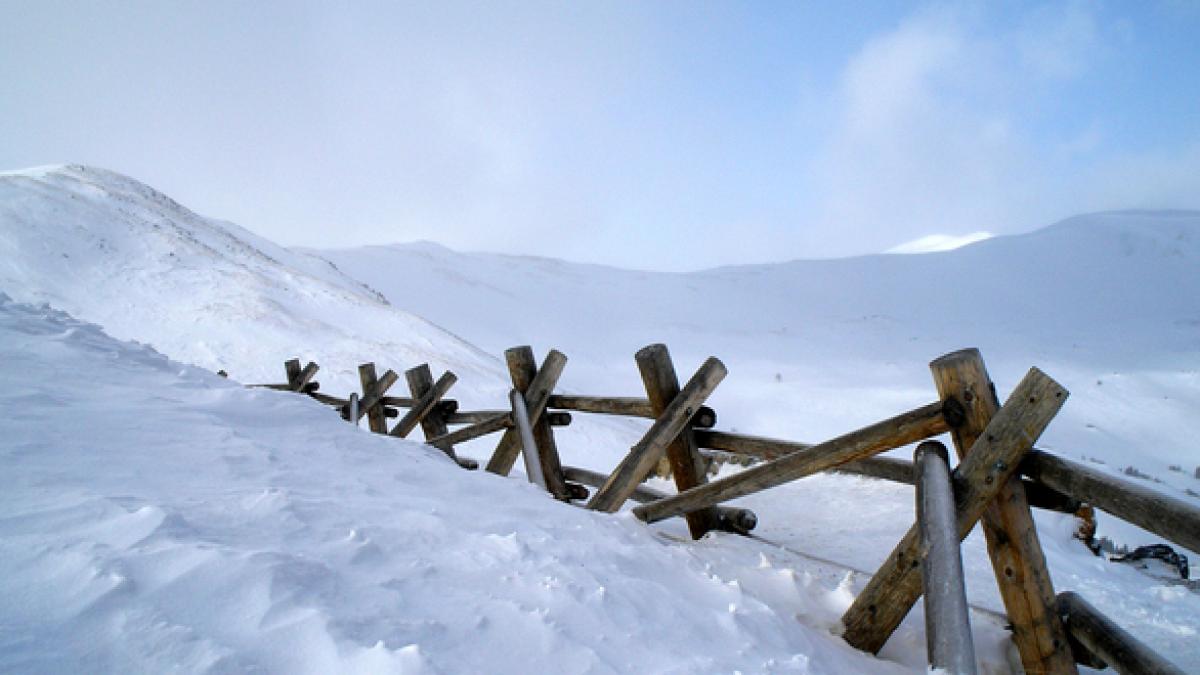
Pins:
x,y
536,385
523,369
292,368
1012,540
376,418
687,465
896,586
433,424
645,454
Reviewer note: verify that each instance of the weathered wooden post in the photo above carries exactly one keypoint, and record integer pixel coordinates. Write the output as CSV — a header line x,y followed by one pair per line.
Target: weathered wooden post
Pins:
x,y
948,638
646,453
535,385
529,448
687,465
375,397
426,394
376,418
1108,641
1012,540
986,468
298,379
428,410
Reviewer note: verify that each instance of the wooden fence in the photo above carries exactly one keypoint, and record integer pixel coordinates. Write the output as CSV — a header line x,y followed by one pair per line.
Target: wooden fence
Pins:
x,y
999,477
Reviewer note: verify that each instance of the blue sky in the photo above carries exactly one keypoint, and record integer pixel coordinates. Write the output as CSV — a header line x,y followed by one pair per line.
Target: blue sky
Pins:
x,y
666,135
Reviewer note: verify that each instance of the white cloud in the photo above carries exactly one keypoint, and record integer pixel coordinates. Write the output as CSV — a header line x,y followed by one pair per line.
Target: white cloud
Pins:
x,y
937,128
921,144
1056,41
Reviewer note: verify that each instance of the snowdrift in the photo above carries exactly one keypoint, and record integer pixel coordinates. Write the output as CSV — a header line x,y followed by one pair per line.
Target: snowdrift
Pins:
x,y
154,516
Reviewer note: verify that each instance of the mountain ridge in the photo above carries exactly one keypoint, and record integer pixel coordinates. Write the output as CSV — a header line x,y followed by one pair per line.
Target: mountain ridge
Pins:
x,y
114,251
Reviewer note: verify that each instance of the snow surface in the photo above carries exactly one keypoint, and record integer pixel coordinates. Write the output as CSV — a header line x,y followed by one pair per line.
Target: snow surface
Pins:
x,y
113,251
157,517
1108,304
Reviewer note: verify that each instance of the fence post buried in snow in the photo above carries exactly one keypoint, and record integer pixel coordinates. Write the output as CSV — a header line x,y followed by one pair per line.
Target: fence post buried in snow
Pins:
x,y
947,624
529,449
354,408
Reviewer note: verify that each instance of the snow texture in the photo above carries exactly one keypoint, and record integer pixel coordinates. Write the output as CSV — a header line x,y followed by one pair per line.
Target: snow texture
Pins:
x,y
155,517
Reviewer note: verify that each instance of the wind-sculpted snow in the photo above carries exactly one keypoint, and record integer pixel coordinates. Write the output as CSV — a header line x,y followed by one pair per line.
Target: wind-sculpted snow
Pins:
x,y
155,517
111,250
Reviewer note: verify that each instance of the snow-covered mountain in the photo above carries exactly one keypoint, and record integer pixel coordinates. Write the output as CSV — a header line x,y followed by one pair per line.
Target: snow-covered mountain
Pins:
x,y
1120,286
1108,303
115,252
153,516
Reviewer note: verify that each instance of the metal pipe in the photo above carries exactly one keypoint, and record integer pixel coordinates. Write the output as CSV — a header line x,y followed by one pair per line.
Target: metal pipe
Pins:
x,y
529,449
947,624
354,409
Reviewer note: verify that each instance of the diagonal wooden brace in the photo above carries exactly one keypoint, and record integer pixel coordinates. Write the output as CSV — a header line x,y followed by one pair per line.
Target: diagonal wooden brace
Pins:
x,y
375,397
376,417
898,431
645,454
688,467
535,384
991,461
489,426
297,378
1012,539
425,402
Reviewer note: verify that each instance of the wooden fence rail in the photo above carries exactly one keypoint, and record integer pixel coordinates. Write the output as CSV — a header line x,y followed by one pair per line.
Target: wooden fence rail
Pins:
x,y
999,478
1108,641
896,432
1148,509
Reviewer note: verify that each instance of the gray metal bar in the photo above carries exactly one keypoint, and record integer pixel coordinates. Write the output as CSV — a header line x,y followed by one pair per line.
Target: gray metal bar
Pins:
x,y
947,624
529,449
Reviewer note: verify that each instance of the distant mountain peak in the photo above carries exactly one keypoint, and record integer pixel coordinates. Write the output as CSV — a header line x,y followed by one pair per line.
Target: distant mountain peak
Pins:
x,y
936,243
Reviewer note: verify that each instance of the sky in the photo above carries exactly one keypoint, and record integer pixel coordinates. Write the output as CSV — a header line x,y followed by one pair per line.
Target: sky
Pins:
x,y
656,135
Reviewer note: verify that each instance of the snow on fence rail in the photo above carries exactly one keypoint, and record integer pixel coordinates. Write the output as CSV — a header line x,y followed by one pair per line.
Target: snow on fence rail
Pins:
x,y
998,479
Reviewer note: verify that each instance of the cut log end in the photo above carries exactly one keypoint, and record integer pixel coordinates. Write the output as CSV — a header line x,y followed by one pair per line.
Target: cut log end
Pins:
x,y
953,359
736,521
577,492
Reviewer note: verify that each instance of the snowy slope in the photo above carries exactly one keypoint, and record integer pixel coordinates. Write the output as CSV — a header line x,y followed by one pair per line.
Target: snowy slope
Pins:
x,y
155,517
1109,304
1106,305
113,251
